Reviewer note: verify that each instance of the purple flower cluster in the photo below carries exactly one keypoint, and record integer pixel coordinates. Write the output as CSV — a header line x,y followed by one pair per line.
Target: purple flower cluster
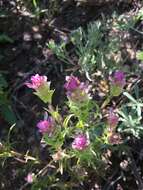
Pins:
x,y
72,83
119,79
45,126
36,81
76,91
80,142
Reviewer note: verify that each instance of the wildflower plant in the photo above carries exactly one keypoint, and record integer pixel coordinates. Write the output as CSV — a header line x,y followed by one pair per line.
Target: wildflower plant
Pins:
x,y
79,99
81,137
96,47
90,50
117,83
78,135
41,87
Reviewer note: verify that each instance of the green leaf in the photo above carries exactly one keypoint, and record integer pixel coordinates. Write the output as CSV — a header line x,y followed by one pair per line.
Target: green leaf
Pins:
x,y
5,39
130,97
45,94
45,97
66,121
5,108
80,125
140,55
55,142
35,3
7,113
115,90
139,15
5,155
54,113
3,83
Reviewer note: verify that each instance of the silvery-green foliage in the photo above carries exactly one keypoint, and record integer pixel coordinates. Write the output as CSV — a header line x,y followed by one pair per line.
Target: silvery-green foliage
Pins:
x,y
131,117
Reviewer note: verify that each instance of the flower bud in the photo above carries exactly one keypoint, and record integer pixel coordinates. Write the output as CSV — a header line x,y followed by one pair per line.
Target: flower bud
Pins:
x,y
117,83
119,79
30,177
41,87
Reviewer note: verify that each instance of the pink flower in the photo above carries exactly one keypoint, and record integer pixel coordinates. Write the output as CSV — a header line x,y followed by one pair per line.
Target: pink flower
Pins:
x,y
72,83
119,79
76,91
36,81
80,142
45,126
29,178
112,119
